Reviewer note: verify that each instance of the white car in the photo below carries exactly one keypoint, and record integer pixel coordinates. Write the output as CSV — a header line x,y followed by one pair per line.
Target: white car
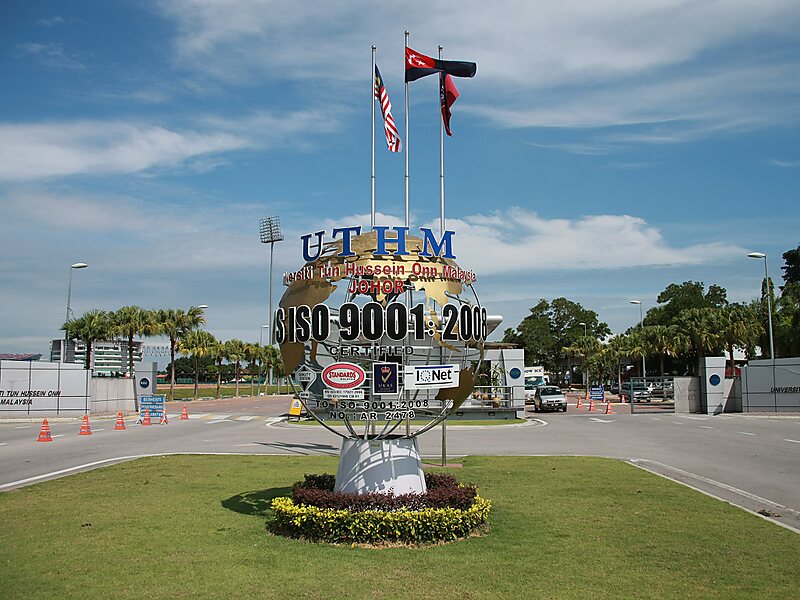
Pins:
x,y
549,397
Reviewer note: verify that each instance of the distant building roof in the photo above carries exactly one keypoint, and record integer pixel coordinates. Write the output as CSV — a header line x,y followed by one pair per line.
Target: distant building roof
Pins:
x,y
20,356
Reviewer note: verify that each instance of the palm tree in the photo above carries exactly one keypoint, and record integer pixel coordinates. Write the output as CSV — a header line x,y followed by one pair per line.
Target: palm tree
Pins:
x,y
176,323
235,351
274,362
739,328
621,347
89,328
253,354
220,353
585,348
657,340
128,322
701,326
197,344
278,367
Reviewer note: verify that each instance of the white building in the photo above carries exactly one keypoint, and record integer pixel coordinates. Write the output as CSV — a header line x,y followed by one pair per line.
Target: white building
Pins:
x,y
109,357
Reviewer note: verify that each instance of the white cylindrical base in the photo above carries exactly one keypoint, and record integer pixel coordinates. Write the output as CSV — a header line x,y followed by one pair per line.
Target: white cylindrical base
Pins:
x,y
380,466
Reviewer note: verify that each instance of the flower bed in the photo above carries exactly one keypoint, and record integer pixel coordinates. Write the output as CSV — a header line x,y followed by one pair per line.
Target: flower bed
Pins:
x,y
448,511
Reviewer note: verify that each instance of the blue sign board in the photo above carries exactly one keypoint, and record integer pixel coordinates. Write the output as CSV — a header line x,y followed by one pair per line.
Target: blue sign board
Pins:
x,y
384,378
155,404
144,382
596,392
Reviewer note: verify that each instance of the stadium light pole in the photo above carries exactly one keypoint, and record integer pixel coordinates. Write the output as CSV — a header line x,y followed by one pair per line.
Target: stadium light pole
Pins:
x,y
270,232
73,267
760,255
641,326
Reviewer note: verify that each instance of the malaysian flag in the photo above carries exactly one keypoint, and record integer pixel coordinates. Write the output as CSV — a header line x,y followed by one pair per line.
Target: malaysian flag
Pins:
x,y
392,136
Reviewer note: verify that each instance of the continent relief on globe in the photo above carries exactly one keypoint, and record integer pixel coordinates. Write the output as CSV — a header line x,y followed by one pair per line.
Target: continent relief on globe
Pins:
x,y
318,288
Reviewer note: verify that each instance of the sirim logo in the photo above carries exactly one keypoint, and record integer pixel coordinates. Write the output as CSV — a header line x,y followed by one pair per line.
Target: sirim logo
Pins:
x,y
343,376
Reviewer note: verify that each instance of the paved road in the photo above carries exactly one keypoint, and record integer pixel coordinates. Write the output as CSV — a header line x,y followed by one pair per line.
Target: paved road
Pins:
x,y
750,461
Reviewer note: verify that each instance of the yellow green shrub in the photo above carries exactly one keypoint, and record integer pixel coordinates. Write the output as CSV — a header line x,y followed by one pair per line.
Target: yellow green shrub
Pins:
x,y
373,526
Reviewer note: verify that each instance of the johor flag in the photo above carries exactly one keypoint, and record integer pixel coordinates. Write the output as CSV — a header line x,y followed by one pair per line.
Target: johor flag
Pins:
x,y
418,65
392,135
447,94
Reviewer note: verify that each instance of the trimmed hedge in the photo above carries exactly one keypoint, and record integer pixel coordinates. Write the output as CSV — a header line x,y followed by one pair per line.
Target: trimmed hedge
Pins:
x,y
376,526
447,511
444,491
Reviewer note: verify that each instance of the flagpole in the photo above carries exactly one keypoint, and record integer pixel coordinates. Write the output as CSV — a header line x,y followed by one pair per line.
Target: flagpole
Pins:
x,y
408,292
441,231
372,178
441,153
404,70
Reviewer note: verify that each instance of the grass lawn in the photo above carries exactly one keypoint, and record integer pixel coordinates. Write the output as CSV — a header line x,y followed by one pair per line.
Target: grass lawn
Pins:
x,y
210,391
193,527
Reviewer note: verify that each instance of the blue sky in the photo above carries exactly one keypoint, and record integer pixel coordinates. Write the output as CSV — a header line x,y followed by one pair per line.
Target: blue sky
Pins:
x,y
603,151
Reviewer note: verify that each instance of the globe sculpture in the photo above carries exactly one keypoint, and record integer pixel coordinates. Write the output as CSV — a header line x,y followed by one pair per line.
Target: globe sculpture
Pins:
x,y
388,344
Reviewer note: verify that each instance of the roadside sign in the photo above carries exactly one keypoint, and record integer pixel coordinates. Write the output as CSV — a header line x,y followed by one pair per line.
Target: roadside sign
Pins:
x,y
155,404
296,409
596,392
385,380
431,376
305,377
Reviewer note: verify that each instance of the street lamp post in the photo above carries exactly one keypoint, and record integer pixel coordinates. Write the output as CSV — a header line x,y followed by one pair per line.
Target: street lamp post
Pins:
x,y
78,265
586,376
769,314
270,232
641,326
260,362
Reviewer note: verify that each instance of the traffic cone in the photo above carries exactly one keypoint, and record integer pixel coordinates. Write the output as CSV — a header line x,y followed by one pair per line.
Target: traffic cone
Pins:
x,y
591,405
184,414
120,424
44,433
146,421
608,408
85,429
163,420
579,404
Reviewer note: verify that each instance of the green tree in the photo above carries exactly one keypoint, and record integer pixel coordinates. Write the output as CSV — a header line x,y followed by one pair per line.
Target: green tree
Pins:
x,y
621,347
677,298
235,352
218,352
197,344
702,328
90,327
586,349
739,327
128,322
175,323
664,341
253,353
552,326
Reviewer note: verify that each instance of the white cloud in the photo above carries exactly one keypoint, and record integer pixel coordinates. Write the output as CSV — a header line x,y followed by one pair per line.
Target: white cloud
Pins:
x,y
50,55
31,151
52,22
35,150
517,241
556,63
786,164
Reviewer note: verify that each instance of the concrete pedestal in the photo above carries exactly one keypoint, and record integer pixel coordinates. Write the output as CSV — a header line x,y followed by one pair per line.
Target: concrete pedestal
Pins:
x,y
391,465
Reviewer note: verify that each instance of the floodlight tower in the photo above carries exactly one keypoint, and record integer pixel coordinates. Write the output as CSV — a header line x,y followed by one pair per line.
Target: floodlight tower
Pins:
x,y
270,231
